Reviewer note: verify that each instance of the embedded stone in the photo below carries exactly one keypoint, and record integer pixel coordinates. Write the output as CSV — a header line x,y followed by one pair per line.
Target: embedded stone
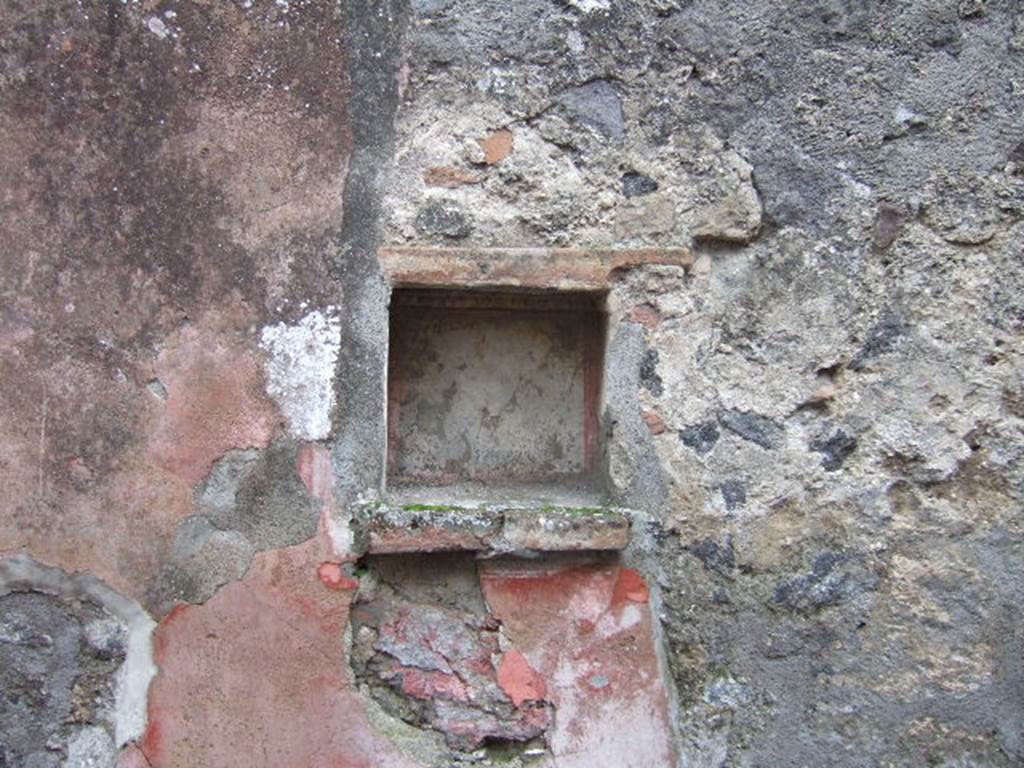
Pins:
x,y
752,427
700,437
443,218
596,105
734,494
834,448
497,146
637,184
888,225
649,377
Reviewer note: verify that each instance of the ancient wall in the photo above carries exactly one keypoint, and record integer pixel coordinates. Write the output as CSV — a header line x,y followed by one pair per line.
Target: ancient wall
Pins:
x,y
803,220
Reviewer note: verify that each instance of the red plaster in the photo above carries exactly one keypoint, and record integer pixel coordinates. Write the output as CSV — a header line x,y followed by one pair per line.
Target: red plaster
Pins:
x,y
176,613
333,577
630,587
152,740
519,680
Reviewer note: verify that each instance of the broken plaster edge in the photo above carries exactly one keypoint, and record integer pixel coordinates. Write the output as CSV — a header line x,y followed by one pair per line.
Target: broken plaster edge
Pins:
x,y
20,572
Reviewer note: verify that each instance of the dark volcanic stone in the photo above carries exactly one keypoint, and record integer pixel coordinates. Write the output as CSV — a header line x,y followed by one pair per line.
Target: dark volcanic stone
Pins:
x,y
636,184
752,427
834,449
719,558
649,373
700,437
1017,155
834,578
443,219
596,105
734,493
883,338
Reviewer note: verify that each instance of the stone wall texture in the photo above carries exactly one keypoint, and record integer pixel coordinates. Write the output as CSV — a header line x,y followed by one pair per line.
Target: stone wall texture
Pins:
x,y
815,418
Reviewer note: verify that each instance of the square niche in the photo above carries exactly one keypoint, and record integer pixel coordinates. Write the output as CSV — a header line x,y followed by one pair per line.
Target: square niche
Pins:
x,y
495,395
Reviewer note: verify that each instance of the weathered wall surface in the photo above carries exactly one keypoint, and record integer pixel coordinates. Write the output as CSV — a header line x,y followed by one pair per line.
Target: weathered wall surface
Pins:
x,y
833,469
819,422
173,179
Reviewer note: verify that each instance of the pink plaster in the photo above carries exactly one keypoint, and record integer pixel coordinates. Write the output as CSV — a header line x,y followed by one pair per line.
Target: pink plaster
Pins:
x,y
132,757
256,676
215,402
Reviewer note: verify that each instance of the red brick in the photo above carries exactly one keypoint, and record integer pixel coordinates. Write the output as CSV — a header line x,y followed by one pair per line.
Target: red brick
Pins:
x,y
654,422
646,315
497,146
449,178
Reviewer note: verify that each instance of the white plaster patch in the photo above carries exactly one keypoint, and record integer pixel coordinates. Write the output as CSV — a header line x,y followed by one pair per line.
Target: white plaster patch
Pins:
x,y
630,616
339,529
90,747
575,41
621,734
21,572
590,6
300,371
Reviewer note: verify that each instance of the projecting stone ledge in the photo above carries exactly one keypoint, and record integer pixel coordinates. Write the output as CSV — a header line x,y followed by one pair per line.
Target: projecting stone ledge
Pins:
x,y
565,269
491,529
